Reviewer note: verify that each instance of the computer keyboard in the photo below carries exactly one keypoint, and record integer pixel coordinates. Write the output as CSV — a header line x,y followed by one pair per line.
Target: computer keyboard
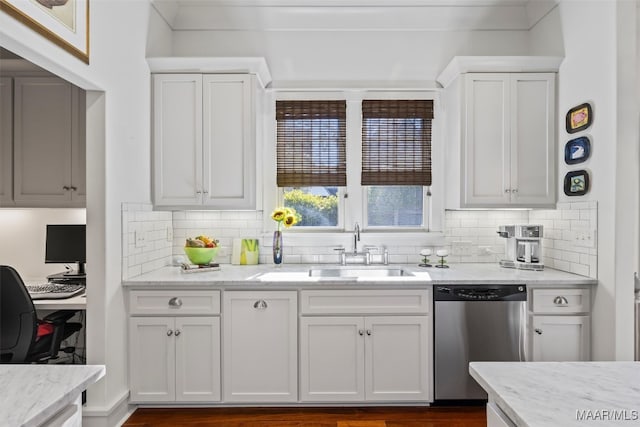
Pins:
x,y
54,290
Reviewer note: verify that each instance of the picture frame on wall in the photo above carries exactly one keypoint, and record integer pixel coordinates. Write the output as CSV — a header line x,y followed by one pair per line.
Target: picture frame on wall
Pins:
x,y
579,118
576,183
63,22
577,150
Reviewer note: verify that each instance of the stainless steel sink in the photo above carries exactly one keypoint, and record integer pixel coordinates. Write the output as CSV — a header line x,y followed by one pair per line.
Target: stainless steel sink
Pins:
x,y
359,272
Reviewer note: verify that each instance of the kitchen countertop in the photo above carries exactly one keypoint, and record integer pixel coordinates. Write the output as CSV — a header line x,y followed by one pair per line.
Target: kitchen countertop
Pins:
x,y
296,275
31,394
541,394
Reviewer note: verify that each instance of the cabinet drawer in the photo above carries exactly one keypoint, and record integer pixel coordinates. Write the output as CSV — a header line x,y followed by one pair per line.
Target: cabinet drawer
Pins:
x,y
558,301
178,303
366,302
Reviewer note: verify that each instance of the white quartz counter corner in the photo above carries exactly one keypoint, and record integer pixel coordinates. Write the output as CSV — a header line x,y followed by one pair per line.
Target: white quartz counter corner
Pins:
x,y
297,275
552,394
32,394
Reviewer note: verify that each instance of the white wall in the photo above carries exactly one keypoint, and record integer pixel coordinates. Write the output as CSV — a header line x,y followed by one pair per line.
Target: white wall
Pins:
x,y
588,35
23,239
118,165
382,56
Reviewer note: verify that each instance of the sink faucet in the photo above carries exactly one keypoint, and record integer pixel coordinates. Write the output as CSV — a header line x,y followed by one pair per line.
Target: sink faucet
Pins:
x,y
356,237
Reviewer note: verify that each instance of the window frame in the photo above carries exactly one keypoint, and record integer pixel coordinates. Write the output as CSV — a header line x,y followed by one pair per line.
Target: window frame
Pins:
x,y
352,205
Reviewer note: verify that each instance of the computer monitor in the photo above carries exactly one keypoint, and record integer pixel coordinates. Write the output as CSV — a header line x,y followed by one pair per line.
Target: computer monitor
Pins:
x,y
66,243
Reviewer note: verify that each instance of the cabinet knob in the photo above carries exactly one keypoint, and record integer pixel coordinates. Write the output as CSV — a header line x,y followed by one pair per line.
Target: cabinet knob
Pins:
x,y
506,190
178,332
368,331
169,332
360,332
538,331
175,302
514,190
260,304
66,188
198,192
74,188
560,301
205,192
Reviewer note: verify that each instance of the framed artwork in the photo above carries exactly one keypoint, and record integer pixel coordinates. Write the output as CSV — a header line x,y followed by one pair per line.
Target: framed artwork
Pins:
x,y
63,22
577,150
579,118
576,183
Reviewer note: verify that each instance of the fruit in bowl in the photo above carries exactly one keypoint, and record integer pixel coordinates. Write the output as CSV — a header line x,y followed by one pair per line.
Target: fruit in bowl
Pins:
x,y
202,250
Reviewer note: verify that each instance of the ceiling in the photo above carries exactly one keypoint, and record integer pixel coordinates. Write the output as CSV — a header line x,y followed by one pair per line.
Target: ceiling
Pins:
x,y
352,15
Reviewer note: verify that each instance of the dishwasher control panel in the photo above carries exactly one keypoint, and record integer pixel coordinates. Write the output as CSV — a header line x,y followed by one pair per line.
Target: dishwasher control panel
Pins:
x,y
481,293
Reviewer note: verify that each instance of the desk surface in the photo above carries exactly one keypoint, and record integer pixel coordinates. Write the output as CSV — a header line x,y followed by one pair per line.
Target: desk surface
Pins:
x,y
75,303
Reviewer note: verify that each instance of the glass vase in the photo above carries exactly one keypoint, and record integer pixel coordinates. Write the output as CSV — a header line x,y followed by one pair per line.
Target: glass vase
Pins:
x,y
277,247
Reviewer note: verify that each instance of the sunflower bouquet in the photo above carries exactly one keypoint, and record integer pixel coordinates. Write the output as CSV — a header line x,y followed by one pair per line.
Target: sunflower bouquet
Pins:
x,y
285,216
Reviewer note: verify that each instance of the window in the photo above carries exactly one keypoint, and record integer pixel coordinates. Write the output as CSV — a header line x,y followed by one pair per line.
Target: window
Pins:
x,y
388,177
396,160
311,158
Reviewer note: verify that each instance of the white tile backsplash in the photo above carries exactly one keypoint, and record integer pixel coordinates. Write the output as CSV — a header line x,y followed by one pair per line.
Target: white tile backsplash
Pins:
x,y
569,241
152,250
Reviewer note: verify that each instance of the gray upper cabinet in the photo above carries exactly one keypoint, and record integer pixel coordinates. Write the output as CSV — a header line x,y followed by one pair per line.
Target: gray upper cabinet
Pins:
x,y
48,144
6,141
204,141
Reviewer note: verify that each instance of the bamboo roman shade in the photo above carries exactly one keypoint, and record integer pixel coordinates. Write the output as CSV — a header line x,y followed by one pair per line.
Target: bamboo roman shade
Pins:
x,y
311,143
396,142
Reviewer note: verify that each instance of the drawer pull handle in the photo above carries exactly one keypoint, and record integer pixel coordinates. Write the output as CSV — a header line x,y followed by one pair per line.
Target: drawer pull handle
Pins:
x,y
178,332
260,304
175,302
560,301
169,332
368,331
66,188
360,332
538,331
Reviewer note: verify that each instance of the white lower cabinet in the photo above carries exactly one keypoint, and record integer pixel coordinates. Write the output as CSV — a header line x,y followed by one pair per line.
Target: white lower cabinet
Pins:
x,y
174,358
260,346
497,418
560,325
365,358
560,338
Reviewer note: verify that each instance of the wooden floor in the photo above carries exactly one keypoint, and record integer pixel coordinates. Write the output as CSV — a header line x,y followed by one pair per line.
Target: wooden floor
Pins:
x,y
471,416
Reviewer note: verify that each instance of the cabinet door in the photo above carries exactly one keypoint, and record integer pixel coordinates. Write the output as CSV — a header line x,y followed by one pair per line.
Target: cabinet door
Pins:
x,y
197,359
42,141
396,358
532,138
152,359
260,346
6,141
332,359
177,139
560,338
228,142
486,157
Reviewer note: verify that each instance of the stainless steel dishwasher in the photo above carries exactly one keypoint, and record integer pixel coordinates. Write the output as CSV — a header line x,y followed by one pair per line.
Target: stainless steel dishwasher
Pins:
x,y
475,323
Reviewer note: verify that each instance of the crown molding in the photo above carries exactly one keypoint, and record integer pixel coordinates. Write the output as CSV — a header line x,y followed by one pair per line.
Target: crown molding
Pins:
x,y
498,64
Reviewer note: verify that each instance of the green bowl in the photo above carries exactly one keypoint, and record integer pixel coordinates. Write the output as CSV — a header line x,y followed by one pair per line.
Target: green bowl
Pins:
x,y
201,256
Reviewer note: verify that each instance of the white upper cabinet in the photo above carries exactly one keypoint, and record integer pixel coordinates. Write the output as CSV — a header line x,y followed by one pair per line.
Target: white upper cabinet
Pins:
x,y
6,141
204,140
500,132
48,144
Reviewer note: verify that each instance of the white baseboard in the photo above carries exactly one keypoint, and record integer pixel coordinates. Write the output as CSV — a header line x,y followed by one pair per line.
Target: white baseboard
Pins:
x,y
113,415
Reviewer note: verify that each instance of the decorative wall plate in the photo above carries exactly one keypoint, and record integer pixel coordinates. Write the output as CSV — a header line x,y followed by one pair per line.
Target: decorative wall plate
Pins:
x,y
579,118
576,183
577,150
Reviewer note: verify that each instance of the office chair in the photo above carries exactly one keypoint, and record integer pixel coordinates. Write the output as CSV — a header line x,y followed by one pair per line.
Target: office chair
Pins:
x,y
23,337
